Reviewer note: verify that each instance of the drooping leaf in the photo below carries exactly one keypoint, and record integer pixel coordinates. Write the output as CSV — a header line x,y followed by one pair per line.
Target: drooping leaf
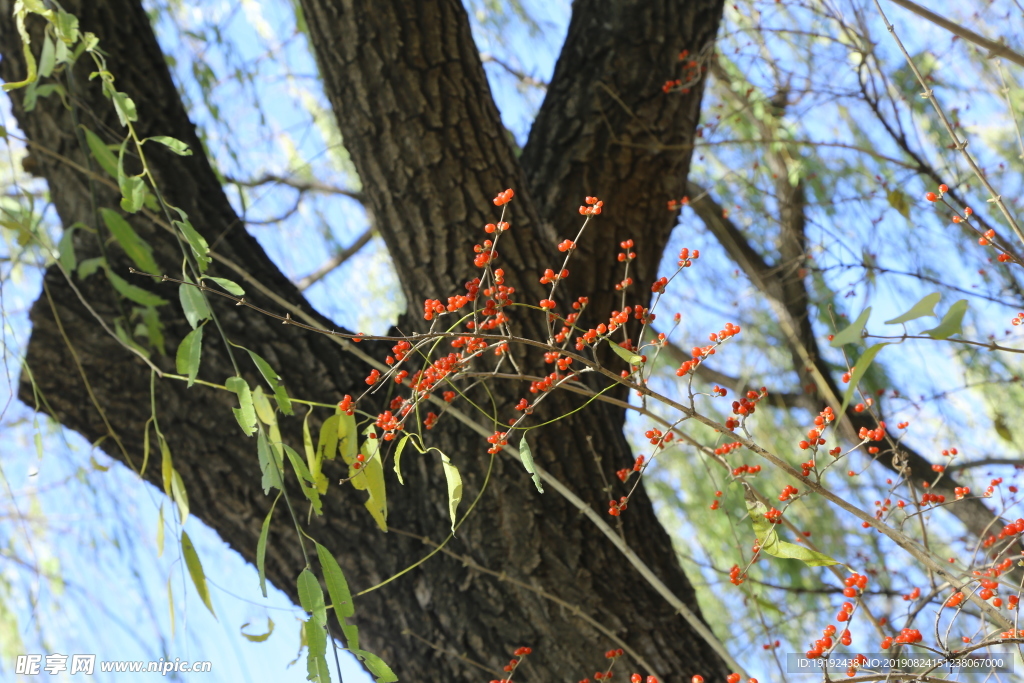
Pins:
x,y
173,144
166,465
160,533
898,200
193,304
327,444
170,601
48,58
180,495
314,461
526,455
398,458
858,373
101,152
187,358
311,597
768,537
270,465
195,570
370,477
853,333
246,412
454,480
90,266
926,306
196,242
316,657
258,638
125,108
66,250
133,188
951,323
134,246
306,480
261,547
274,380
337,586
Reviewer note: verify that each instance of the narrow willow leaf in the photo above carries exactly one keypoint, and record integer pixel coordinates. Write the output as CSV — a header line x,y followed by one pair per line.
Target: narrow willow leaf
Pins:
x,y
48,58
311,597
351,633
186,360
132,292
526,455
370,478
166,464
160,533
264,410
257,638
306,480
193,304
380,671
133,188
348,438
274,380
852,334
269,465
66,250
195,570
170,602
863,363
926,306
173,144
337,586
327,444
261,547
951,323
312,459
768,536
196,242
90,266
101,152
454,479
246,412
134,246
180,494
398,458
125,108
626,354
316,658
227,285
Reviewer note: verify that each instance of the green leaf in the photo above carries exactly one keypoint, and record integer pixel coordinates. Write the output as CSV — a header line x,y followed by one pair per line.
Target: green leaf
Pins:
x,y
152,328
926,306
311,597
381,672
327,444
306,480
398,458
351,633
526,455
133,292
316,659
270,464
264,411
137,249
186,360
133,188
180,495
454,479
90,266
170,601
863,363
193,303
626,354
173,144
337,586
899,201
261,547
853,333
768,535
166,464
370,478
314,461
228,286
246,412
252,638
274,380
160,532
125,108
101,152
195,570
196,242
951,323
66,251
66,26
47,60
30,63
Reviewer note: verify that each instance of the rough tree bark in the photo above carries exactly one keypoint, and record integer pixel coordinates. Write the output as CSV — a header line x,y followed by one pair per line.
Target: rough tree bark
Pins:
x,y
406,82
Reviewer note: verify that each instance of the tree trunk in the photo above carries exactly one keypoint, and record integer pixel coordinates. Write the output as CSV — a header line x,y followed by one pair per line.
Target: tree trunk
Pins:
x,y
406,82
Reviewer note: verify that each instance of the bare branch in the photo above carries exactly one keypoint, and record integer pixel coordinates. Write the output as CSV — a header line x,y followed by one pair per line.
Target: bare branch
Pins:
x,y
335,261
996,49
